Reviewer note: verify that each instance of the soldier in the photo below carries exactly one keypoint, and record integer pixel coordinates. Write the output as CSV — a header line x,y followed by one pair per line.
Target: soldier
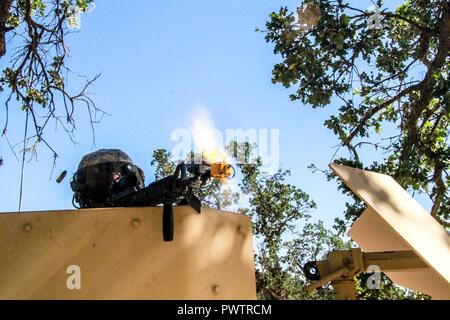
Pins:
x,y
108,178
103,173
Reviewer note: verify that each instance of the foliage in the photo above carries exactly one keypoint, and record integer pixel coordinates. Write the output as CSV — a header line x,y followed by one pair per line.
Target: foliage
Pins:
x,y
276,209
390,82
35,32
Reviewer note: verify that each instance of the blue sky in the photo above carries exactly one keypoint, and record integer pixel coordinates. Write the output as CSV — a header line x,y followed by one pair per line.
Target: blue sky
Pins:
x,y
160,61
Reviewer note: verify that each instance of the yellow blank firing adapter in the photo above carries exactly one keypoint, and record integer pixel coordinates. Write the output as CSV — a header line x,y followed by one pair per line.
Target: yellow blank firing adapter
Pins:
x,y
221,170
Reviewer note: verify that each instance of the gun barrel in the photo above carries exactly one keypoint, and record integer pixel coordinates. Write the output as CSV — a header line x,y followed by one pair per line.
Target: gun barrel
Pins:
x,y
221,170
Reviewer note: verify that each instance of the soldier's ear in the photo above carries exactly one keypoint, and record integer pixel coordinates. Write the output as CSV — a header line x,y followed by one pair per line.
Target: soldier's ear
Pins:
x,y
141,173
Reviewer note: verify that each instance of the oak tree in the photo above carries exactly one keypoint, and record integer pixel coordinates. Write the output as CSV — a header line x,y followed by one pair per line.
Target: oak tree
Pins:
x,y
384,74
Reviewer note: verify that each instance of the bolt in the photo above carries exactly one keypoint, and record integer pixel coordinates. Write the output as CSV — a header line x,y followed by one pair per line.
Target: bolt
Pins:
x,y
347,261
135,223
240,230
27,227
215,289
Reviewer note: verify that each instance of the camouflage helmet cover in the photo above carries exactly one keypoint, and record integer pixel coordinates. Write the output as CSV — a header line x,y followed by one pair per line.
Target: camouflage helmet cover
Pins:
x,y
102,156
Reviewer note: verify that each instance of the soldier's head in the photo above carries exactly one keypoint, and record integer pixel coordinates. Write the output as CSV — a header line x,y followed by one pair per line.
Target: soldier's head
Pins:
x,y
104,173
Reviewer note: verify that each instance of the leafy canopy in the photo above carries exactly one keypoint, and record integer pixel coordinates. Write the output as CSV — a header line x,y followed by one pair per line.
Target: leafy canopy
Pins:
x,y
387,83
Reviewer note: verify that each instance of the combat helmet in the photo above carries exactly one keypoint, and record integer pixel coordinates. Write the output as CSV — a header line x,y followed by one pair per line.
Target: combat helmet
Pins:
x,y
104,173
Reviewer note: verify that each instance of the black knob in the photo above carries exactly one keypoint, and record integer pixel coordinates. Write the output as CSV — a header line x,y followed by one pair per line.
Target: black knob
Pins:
x,y
311,271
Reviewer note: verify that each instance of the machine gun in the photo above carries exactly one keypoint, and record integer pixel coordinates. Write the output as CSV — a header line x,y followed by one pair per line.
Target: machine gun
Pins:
x,y
173,189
